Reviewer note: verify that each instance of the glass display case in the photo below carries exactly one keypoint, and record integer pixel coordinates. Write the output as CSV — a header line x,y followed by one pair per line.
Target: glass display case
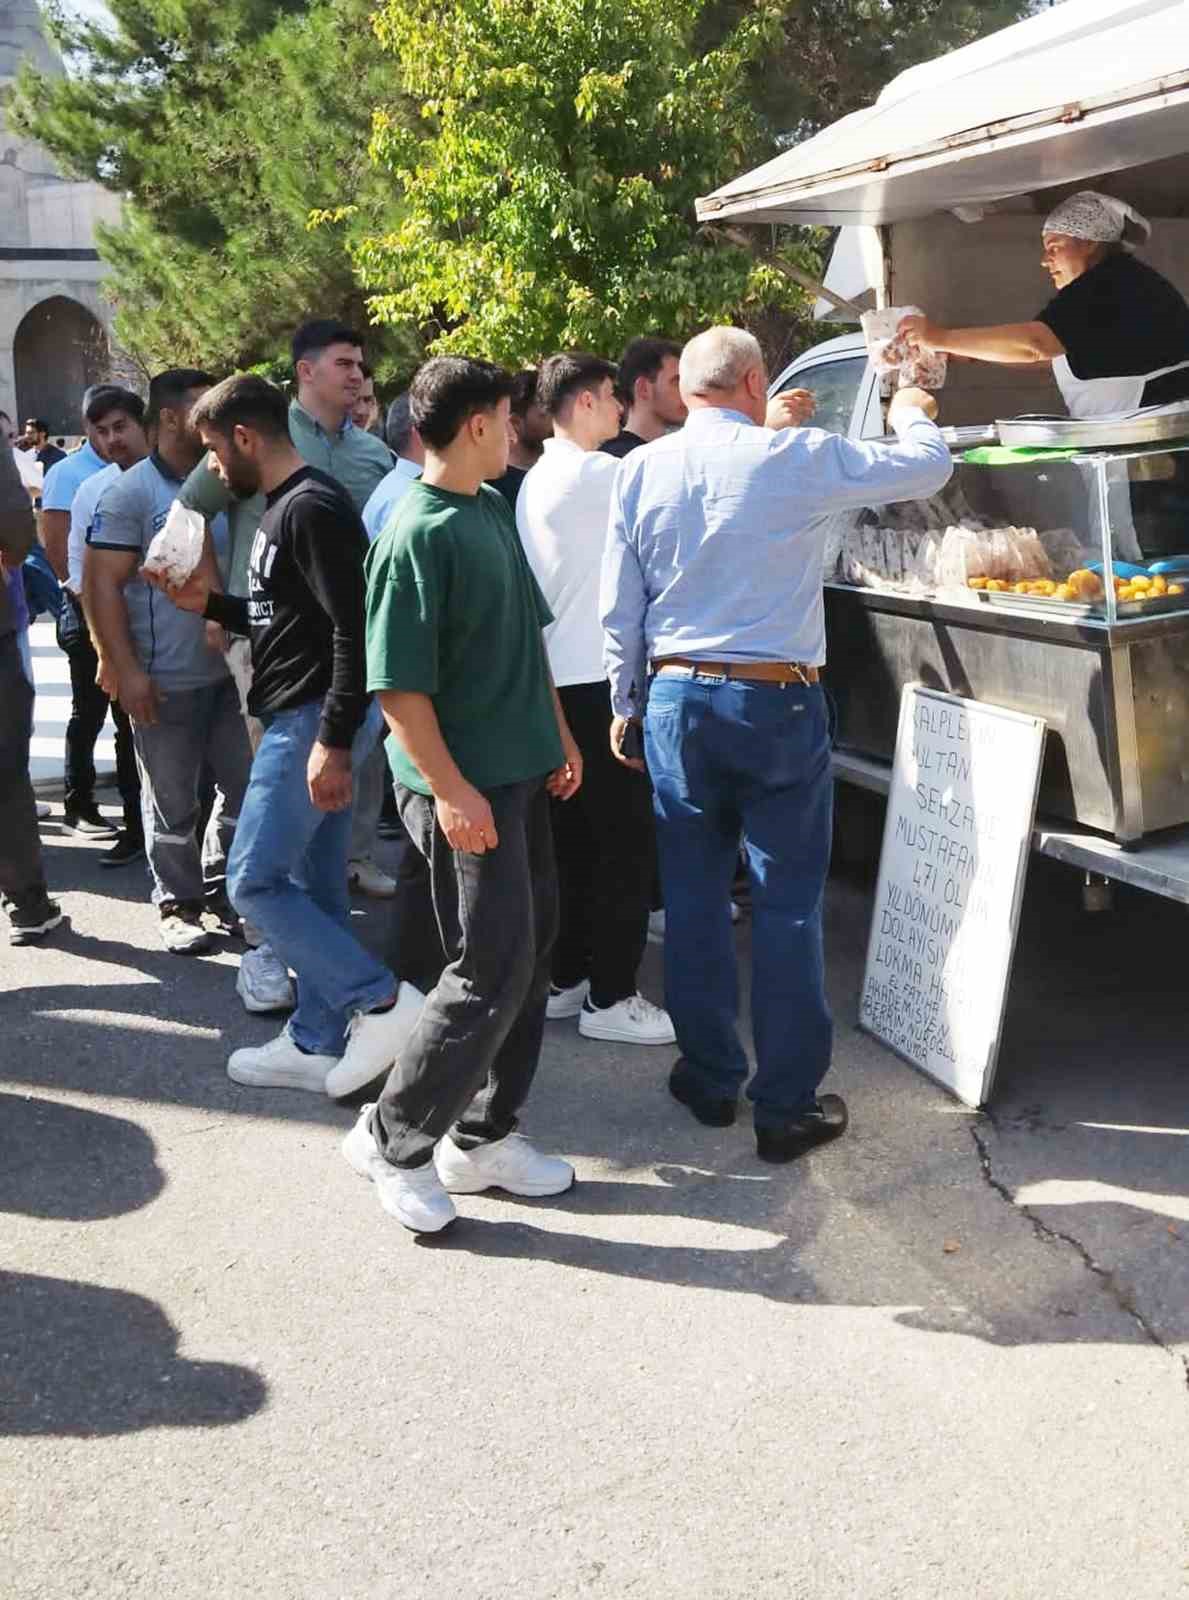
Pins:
x,y
1095,537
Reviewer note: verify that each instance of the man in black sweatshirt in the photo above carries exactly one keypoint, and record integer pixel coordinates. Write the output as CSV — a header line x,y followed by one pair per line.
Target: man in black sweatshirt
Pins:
x,y
287,872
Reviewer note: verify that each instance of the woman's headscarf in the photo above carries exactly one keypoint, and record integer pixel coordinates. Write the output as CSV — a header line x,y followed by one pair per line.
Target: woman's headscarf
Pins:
x,y
1099,218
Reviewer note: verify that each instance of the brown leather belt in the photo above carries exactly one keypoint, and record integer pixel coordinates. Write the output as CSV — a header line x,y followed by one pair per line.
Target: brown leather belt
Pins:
x,y
748,671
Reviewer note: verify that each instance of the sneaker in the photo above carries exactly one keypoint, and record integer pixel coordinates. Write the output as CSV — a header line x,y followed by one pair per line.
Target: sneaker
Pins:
x,y
182,932
221,916
785,1141
564,1003
413,1195
279,1064
631,1021
263,983
366,877
374,1040
33,921
44,810
88,820
511,1164
128,847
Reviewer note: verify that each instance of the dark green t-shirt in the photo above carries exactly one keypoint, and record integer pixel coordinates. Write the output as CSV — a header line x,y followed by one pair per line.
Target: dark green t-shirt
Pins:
x,y
454,612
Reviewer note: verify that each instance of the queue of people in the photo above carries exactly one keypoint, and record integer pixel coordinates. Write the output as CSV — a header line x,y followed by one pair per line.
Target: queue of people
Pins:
x,y
567,662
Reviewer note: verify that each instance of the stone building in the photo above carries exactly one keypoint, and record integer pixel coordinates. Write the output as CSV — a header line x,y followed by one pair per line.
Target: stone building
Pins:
x,y
54,321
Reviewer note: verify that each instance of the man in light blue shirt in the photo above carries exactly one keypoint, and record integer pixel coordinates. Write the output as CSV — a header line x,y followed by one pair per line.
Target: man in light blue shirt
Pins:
x,y
405,443
712,581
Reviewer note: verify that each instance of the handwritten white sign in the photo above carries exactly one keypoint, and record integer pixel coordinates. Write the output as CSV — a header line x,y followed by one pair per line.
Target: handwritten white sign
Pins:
x,y
951,877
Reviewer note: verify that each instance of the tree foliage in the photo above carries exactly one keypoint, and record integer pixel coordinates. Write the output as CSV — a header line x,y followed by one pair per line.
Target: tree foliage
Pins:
x,y
225,123
548,168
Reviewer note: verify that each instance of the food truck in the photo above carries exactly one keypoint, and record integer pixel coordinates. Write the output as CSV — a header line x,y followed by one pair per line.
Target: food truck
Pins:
x,y
1051,576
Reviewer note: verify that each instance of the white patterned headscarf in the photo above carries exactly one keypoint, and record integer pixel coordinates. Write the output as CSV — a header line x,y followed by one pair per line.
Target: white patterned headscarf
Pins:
x,y
1099,218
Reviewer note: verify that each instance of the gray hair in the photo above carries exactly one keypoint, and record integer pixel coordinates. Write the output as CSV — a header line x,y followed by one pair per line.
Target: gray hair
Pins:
x,y
398,425
719,359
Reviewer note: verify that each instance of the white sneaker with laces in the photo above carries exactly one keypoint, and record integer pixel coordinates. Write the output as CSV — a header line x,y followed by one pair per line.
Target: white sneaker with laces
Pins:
x,y
564,1003
374,1040
279,1064
263,983
511,1164
631,1021
413,1195
367,877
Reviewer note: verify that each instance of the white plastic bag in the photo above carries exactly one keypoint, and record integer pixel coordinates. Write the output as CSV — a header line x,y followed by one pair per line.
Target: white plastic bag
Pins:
x,y
886,349
176,550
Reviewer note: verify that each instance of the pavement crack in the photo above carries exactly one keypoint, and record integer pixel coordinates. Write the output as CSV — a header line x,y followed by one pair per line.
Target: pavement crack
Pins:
x,y
1050,1235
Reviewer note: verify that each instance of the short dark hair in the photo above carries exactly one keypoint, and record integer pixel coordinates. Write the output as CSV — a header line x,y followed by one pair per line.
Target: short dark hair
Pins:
x,y
564,376
524,391
643,358
368,372
111,397
398,424
244,401
448,390
319,334
170,388
37,425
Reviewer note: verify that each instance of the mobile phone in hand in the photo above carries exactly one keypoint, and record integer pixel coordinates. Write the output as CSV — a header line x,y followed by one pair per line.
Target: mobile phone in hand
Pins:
x,y
631,746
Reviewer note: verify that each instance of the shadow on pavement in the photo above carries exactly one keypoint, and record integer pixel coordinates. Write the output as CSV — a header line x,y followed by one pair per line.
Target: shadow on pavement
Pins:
x,y
73,1165
82,1361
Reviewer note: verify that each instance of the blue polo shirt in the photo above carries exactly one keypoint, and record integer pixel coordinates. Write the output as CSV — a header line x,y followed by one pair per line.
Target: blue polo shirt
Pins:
x,y
170,644
64,477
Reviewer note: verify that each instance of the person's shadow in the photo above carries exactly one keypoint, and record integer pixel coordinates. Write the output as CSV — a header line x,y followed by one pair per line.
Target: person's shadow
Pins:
x,y
81,1359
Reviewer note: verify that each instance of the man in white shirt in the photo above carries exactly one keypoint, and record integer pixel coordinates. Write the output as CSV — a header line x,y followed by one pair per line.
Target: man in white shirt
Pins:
x,y
115,431
604,835
405,443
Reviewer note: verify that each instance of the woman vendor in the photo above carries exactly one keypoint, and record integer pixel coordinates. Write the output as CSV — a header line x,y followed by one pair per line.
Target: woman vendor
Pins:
x,y
1116,332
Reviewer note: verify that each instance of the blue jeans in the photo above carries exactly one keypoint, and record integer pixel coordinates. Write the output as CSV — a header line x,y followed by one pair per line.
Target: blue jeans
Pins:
x,y
287,874
733,761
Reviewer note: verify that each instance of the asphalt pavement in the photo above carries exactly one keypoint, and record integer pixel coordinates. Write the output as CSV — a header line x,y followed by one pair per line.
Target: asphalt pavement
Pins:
x,y
944,1357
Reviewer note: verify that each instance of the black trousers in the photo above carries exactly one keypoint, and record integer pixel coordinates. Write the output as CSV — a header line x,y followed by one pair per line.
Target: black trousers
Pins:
x,y
22,876
606,858
471,1060
88,713
415,950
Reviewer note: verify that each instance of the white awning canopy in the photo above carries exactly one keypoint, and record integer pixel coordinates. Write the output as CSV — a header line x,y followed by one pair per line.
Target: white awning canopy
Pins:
x,y
1087,88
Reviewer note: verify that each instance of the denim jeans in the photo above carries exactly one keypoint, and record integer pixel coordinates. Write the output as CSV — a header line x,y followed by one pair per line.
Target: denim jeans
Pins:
x,y
22,876
734,761
196,730
472,1057
287,874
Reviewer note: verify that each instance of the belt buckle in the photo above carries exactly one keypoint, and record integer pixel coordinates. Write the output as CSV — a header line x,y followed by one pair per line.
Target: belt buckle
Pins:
x,y
799,674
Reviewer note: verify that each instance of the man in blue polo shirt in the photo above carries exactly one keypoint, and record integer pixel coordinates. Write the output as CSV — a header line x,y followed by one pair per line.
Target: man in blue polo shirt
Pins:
x,y
177,690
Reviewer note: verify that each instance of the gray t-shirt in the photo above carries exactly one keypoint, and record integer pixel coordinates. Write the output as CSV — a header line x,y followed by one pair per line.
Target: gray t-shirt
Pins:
x,y
171,644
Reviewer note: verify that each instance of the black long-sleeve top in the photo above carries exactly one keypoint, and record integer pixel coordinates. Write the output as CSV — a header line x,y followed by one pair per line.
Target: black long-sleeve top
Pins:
x,y
304,611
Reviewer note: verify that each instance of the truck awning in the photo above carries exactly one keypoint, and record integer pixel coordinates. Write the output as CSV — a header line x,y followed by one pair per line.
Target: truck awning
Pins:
x,y
1087,88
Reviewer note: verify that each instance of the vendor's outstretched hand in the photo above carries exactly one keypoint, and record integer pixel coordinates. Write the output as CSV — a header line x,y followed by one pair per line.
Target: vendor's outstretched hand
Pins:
x,y
919,332
189,596
792,409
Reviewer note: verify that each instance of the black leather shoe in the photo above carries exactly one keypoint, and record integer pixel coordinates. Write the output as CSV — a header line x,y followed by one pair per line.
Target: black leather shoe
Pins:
x,y
785,1141
712,1112
86,818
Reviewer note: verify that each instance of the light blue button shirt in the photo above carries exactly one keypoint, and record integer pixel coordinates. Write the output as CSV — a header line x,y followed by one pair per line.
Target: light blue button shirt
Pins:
x,y
717,538
388,494
64,478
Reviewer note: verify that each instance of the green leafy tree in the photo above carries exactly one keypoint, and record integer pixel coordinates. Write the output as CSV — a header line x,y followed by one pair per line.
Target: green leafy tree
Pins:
x,y
548,164
224,124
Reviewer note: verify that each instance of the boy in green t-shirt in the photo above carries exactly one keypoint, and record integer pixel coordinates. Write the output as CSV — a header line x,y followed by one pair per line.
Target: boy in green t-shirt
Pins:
x,y
455,654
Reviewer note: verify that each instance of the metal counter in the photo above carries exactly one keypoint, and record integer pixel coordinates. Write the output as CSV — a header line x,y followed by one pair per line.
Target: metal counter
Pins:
x,y
1115,698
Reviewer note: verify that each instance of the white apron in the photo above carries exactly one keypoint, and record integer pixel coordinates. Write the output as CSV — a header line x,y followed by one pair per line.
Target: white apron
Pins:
x,y
1105,397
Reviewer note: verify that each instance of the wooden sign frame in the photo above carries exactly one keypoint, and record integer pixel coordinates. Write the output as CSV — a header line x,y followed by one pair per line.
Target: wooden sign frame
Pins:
x,y
957,837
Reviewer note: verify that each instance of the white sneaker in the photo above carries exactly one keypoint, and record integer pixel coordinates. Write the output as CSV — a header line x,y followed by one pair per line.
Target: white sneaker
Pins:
x,y
413,1195
656,923
631,1021
374,1040
367,877
279,1064
263,983
566,1002
511,1164
182,932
